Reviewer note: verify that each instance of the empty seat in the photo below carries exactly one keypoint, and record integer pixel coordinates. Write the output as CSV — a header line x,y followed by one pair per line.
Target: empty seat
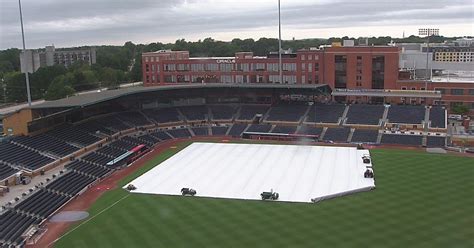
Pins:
x,y
284,129
248,112
438,117
365,136
365,114
219,130
259,128
337,134
325,113
222,112
435,141
237,129
406,114
399,139
287,112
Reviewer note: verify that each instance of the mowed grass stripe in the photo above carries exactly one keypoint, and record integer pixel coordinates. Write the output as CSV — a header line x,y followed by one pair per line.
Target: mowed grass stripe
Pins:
x,y
421,200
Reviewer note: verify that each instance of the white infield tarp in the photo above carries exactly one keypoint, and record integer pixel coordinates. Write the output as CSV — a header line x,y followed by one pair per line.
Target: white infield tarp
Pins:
x,y
243,171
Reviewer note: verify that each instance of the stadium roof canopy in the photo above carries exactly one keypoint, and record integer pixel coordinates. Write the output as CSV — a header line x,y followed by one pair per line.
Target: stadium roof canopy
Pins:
x,y
85,100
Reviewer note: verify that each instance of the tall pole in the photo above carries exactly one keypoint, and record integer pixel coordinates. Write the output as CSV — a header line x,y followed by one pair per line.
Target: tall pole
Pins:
x,y
427,60
279,43
24,54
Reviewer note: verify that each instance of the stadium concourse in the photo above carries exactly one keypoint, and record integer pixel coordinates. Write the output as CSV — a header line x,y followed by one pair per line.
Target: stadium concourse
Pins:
x,y
93,136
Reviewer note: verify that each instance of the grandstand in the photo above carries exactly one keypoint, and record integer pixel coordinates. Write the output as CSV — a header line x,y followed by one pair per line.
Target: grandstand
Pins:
x,y
87,135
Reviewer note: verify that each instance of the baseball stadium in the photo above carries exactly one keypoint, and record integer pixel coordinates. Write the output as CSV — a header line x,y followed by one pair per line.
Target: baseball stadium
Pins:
x,y
232,165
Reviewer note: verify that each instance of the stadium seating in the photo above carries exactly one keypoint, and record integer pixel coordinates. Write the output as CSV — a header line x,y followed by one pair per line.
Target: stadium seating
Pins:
x,y
45,143
438,117
70,183
42,203
284,129
179,133
111,122
222,112
310,130
97,158
259,128
73,135
220,131
6,171
413,140
435,141
287,112
248,112
20,156
195,113
148,139
365,114
97,128
161,135
322,113
406,114
13,225
200,131
364,136
337,134
237,129
88,168
133,119
164,115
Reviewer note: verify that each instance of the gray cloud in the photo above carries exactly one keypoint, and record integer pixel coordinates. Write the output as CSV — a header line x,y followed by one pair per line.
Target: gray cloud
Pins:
x,y
89,22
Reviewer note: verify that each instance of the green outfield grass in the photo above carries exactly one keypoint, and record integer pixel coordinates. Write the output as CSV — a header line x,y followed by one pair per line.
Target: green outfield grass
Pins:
x,y
421,200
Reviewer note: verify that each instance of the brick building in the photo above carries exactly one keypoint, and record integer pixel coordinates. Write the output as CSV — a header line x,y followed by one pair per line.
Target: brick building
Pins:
x,y
372,67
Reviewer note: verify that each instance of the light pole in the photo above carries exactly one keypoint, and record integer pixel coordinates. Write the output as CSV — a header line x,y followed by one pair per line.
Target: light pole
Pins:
x,y
24,57
279,44
428,32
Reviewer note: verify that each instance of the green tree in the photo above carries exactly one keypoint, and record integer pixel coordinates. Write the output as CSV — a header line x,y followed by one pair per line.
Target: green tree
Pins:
x,y
109,78
460,109
58,89
15,87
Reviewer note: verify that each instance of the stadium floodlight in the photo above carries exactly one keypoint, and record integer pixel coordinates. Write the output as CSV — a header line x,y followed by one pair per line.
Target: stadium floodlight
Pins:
x,y
279,44
24,54
427,32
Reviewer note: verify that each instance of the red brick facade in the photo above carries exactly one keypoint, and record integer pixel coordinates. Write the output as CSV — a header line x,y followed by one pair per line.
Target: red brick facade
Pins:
x,y
304,67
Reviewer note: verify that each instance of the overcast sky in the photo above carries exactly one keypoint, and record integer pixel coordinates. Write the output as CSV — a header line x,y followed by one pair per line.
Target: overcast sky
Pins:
x,y
95,22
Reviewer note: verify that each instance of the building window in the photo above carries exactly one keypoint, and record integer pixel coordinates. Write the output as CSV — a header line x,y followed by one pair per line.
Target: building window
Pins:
x,y
303,79
443,91
413,88
272,66
471,92
303,57
310,67
457,92
404,88
310,57
340,71
289,67
378,72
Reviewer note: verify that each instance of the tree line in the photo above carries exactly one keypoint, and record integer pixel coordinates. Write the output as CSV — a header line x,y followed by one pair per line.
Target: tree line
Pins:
x,y
120,64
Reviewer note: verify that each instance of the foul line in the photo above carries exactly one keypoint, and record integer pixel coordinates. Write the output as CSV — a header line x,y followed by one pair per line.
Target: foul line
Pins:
x,y
91,218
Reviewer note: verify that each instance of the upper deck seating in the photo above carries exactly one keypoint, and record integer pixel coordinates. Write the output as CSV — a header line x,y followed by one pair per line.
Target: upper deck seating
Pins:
x,y
287,112
406,114
248,112
438,117
365,114
337,134
284,129
222,112
195,113
365,136
325,113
